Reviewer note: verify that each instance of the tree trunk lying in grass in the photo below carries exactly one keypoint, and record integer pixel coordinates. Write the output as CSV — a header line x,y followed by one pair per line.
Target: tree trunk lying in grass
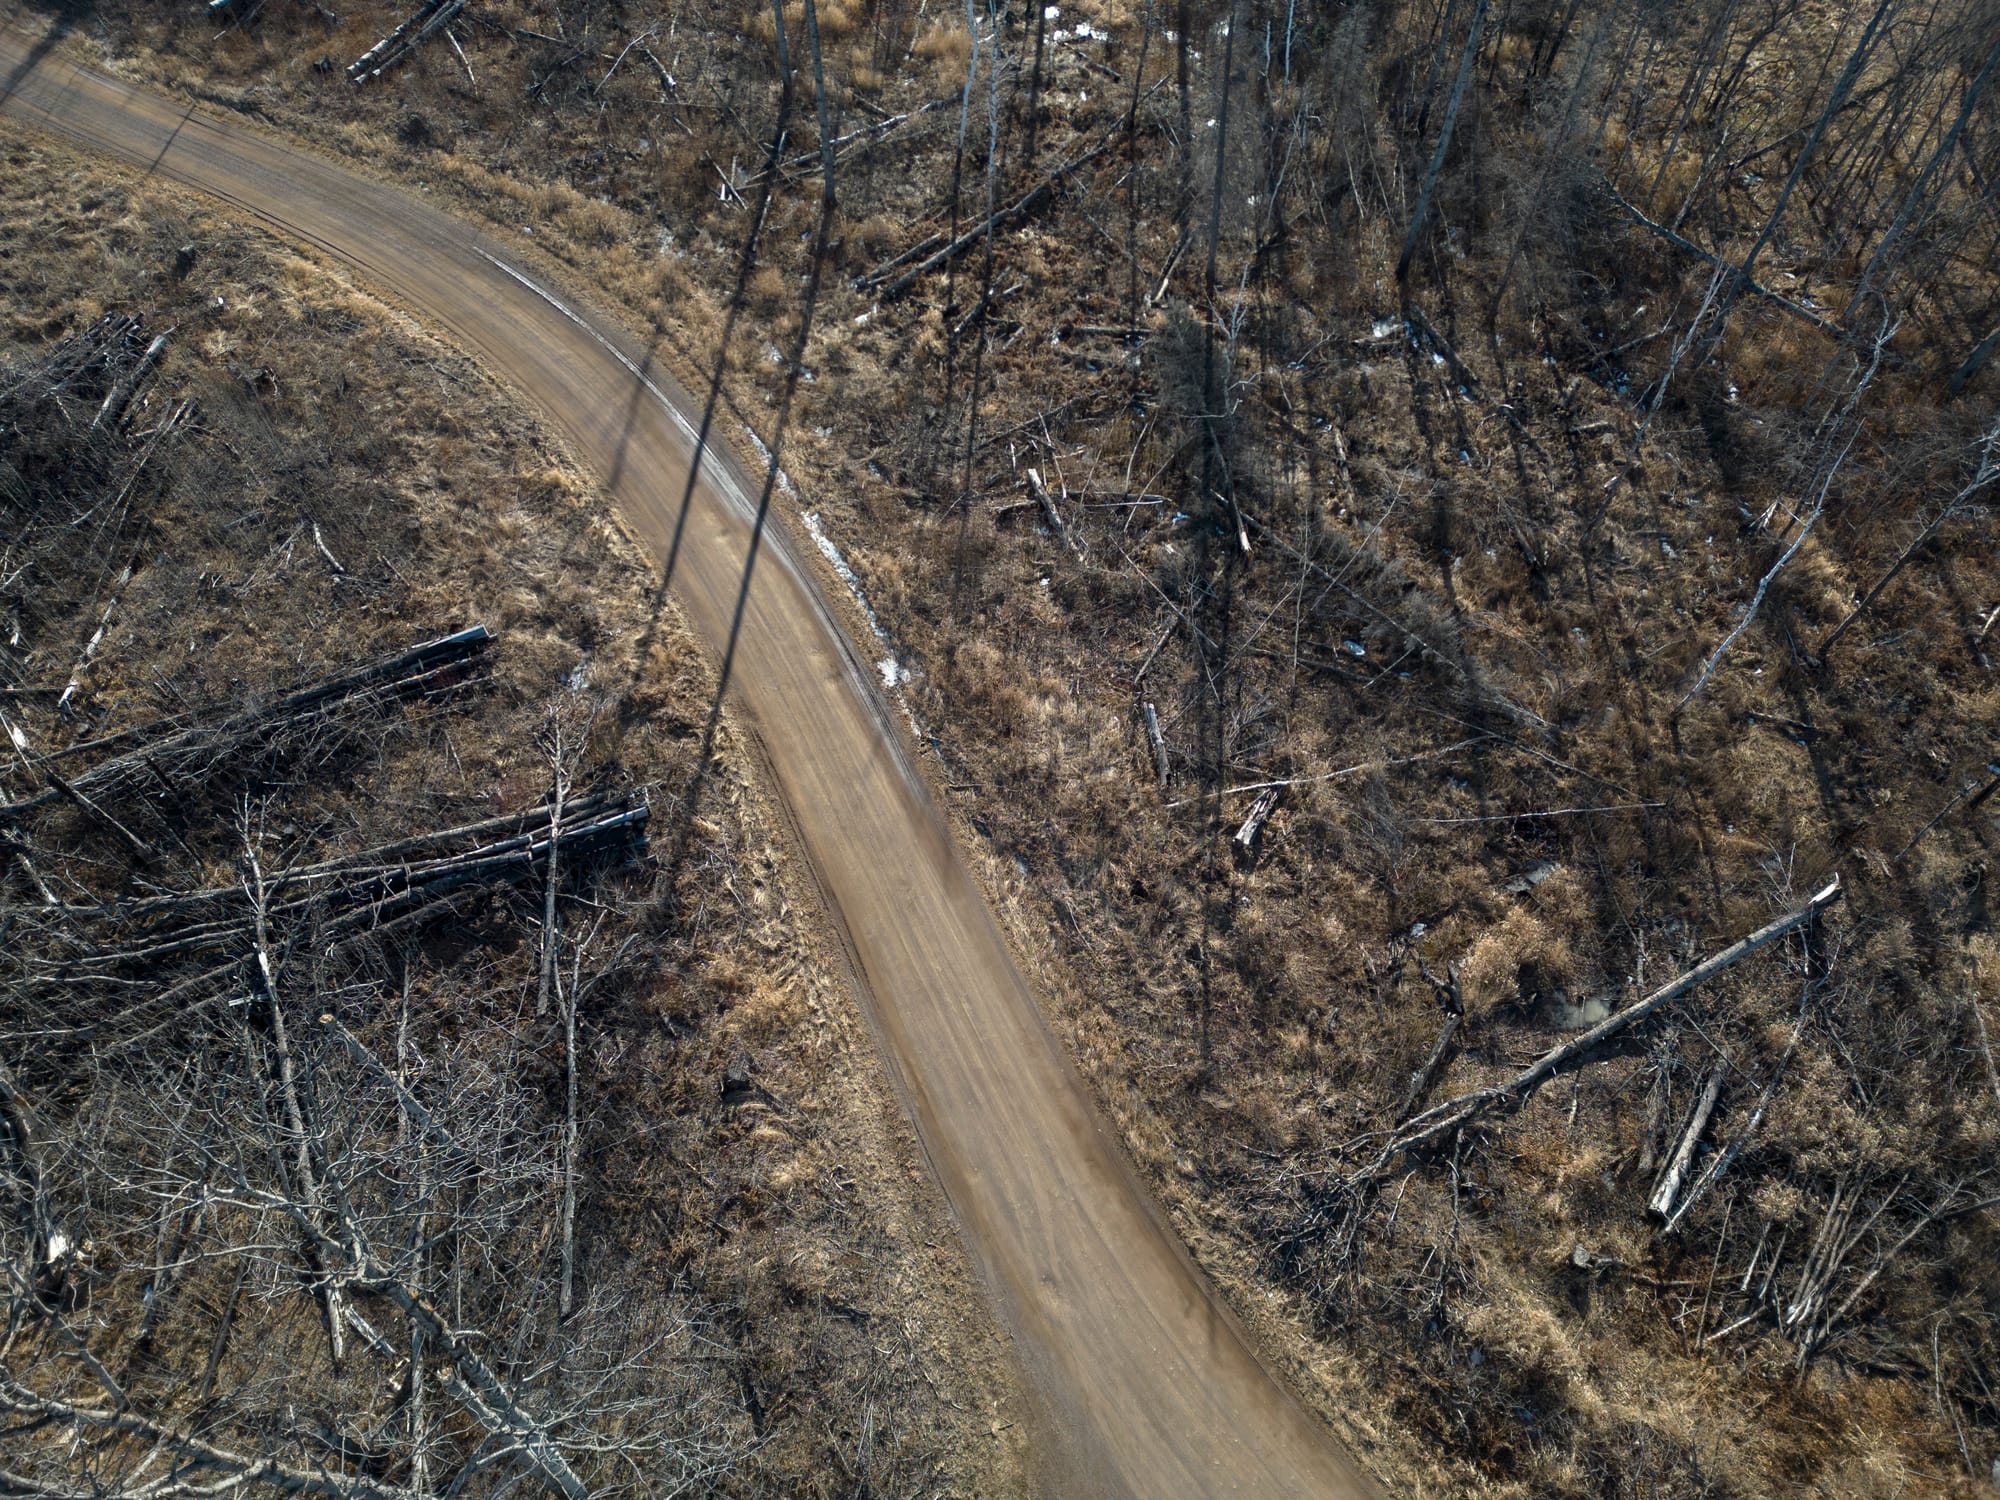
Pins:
x,y
1454,1114
1669,1189
423,23
163,752
1157,740
995,222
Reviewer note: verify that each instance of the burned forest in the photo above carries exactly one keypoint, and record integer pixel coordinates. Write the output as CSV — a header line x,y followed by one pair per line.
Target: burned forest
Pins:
x,y
408,1085
1437,554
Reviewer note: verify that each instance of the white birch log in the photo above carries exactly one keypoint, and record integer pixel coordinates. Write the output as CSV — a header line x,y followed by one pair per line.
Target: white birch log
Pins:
x,y
1157,740
1669,1187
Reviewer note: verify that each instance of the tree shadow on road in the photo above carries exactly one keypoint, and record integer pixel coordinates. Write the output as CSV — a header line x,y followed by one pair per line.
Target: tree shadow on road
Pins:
x,y
684,824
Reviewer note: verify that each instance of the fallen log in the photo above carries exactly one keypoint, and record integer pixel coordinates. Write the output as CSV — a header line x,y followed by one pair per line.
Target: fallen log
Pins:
x,y
1455,1114
120,395
177,744
995,222
1157,740
1245,841
880,274
192,1454
423,23
362,889
1669,1188
1706,257
90,646
325,551
840,144
1451,1001
1720,1164
1047,503
76,799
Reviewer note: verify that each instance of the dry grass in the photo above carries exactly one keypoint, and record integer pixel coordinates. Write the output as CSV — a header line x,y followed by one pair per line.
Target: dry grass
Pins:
x,y
1242,1024
801,1246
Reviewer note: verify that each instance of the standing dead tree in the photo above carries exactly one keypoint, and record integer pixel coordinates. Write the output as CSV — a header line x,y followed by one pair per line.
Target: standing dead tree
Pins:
x,y
231,1125
564,738
1427,190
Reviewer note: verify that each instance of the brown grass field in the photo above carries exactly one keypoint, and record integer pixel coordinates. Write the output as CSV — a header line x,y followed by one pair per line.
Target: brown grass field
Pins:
x,y
1475,583
810,1317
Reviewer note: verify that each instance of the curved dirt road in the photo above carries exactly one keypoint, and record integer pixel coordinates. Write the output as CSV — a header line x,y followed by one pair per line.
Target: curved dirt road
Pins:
x,y
1144,1386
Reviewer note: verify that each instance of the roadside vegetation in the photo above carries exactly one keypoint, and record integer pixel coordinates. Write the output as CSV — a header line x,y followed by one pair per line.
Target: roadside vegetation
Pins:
x,y
412,1080
1406,528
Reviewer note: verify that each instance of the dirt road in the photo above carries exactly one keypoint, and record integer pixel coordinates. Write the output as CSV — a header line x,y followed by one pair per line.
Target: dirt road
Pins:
x,y
1145,1386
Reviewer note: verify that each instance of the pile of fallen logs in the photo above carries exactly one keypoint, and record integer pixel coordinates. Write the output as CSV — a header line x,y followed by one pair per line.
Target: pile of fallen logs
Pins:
x,y
158,759
377,885
89,964
76,483
114,962
257,1072
423,23
74,458
95,364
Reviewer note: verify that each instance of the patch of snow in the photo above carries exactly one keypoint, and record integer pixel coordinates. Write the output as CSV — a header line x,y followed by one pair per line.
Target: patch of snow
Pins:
x,y
784,479
893,672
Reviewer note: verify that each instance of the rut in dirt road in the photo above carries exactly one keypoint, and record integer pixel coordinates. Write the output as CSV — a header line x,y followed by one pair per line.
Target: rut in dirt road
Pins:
x,y
1142,1383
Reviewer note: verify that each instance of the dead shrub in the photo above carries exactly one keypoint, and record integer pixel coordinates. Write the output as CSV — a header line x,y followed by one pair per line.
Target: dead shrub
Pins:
x,y
769,288
1503,963
947,49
